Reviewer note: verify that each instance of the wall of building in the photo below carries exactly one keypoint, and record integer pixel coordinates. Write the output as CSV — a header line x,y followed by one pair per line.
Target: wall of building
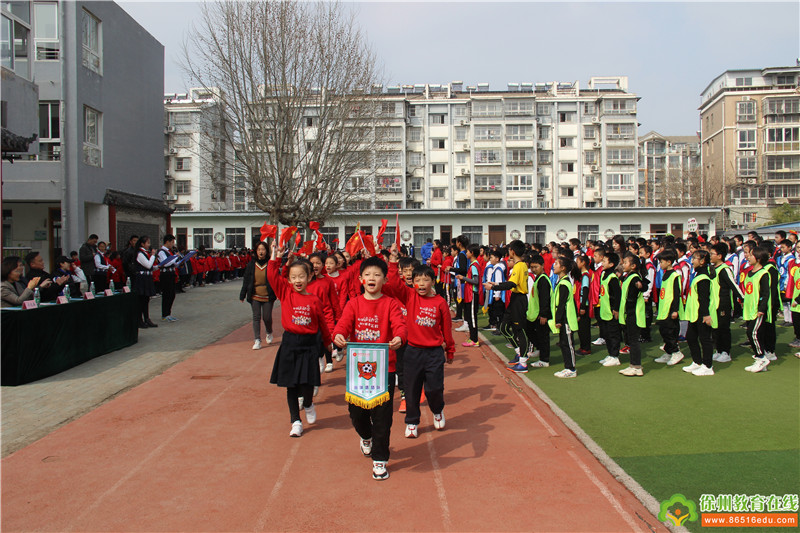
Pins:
x,y
29,227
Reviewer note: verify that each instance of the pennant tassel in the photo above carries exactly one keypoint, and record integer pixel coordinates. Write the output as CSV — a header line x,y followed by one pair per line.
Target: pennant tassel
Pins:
x,y
366,404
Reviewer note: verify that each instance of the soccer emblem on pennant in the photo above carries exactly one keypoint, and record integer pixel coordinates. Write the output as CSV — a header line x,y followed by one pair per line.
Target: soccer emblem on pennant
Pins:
x,y
366,370
367,383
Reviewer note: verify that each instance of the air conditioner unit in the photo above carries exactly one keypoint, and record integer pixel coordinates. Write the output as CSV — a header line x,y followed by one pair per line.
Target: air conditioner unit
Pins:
x,y
596,145
745,99
466,147
538,120
409,196
734,223
166,174
172,198
594,168
595,120
752,181
598,194
464,122
169,129
173,150
464,171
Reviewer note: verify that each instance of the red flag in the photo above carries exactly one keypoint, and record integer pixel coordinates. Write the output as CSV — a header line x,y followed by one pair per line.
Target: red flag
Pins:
x,y
369,244
298,240
308,248
354,244
378,239
286,234
397,230
313,226
320,242
267,231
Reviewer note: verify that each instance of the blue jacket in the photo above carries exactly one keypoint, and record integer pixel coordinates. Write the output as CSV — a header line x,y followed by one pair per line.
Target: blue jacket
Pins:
x,y
426,251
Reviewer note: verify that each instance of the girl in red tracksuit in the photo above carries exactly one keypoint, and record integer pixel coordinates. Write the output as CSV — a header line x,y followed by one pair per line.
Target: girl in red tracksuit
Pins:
x,y
323,288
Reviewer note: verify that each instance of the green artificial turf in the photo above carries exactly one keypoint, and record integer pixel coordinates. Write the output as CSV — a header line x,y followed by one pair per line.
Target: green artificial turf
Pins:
x,y
731,433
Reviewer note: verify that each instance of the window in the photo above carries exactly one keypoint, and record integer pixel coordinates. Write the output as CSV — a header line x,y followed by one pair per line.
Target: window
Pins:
x,y
589,108
45,33
460,111
388,204
618,107
388,109
783,167
483,108
437,168
415,111
362,205
747,140
567,192
309,122
389,159
183,187
181,119
544,132
519,182
415,184
787,79
744,82
630,230
782,139
414,159
92,137
746,111
388,184
589,132
590,157
488,204
183,207
462,158
567,117
620,182
519,157
620,131
567,166
203,237
517,107
521,132
487,157
544,182
183,163
589,181
586,232
463,204
414,134
545,158
749,217
566,142
591,205
92,42
15,39
437,144
519,204
535,234
544,204
543,109
234,238
488,133
438,193
783,191
49,124
473,233
437,119
462,184
620,156
183,140
462,134
421,235
331,233
489,183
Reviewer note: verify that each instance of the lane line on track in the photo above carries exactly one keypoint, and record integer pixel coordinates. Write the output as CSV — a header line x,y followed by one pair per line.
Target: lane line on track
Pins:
x,y
262,520
607,493
438,479
133,471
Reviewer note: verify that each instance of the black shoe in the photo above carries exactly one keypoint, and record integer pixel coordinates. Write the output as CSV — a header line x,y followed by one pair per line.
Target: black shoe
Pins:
x,y
143,325
151,324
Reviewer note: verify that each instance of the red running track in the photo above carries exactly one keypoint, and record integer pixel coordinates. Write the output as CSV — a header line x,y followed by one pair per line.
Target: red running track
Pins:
x,y
205,447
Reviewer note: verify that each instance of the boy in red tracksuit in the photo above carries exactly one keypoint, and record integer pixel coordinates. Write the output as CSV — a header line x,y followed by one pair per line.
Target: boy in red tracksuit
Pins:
x,y
377,318
429,327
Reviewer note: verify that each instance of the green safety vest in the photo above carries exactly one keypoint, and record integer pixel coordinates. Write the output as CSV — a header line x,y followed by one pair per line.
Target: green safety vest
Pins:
x,y
666,295
795,276
641,321
533,301
715,285
774,296
693,302
752,287
605,298
572,312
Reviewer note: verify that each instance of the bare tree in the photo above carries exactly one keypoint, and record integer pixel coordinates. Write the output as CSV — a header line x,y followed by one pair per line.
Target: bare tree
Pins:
x,y
295,83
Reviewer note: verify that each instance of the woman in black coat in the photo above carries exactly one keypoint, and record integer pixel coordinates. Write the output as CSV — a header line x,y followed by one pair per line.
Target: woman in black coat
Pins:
x,y
258,293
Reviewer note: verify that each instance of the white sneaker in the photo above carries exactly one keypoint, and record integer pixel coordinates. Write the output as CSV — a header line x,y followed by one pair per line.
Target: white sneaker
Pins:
x,y
329,367
366,446
300,402
759,366
662,347
599,341
771,356
516,350
604,359
566,373
663,359
411,431
338,354
438,421
612,361
675,358
463,327
539,364
269,338
631,371
691,368
297,429
321,365
722,357
257,344
316,390
533,353
703,371
379,471
311,414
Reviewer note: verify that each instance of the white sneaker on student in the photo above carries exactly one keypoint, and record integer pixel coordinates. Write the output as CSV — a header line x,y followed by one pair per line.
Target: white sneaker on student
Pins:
x,y
366,446
329,367
599,341
722,357
675,358
300,402
463,327
257,344
338,354
438,421
297,429
703,371
379,470
533,353
759,366
539,364
771,356
316,390
612,361
269,338
311,414
691,368
664,358
631,371
411,431
566,373
604,359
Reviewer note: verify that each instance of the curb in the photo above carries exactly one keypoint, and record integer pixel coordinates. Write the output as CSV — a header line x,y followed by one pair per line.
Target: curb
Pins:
x,y
646,499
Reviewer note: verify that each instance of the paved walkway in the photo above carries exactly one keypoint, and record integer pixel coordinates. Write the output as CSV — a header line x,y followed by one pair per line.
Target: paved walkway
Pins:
x,y
204,446
29,412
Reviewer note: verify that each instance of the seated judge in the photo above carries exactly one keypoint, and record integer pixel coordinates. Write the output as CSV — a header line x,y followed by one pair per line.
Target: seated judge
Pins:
x,y
12,291
48,289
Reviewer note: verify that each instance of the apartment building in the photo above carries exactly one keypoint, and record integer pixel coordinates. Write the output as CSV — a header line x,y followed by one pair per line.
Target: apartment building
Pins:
x,y
750,141
198,160
88,81
670,171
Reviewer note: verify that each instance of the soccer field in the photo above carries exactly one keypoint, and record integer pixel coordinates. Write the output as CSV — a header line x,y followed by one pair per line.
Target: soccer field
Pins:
x,y
731,433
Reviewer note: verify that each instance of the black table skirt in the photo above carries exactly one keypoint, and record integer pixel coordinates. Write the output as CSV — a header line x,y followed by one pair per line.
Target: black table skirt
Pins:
x,y
38,343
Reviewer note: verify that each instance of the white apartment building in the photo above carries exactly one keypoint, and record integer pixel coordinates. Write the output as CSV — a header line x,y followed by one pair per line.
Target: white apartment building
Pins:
x,y
198,160
669,170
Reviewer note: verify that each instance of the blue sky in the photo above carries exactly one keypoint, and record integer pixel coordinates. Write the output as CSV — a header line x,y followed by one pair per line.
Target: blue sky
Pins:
x,y
669,51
